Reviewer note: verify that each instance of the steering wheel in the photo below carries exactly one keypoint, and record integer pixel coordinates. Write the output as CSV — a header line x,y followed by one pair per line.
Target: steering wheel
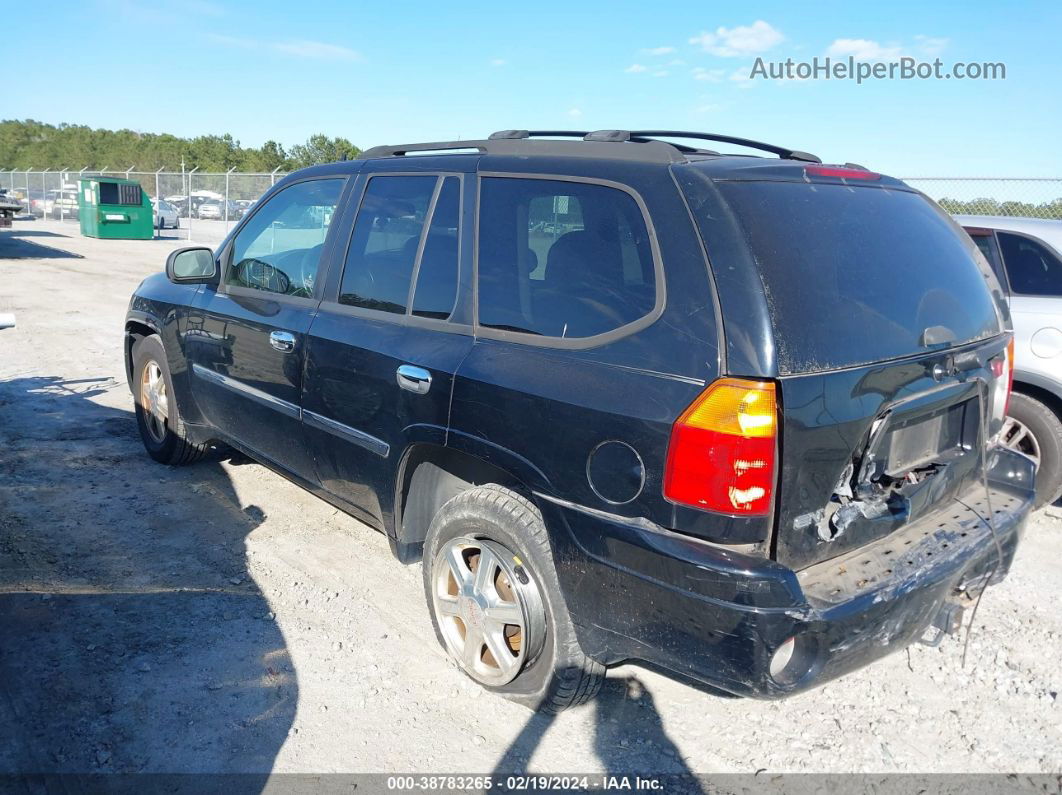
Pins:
x,y
302,265
262,275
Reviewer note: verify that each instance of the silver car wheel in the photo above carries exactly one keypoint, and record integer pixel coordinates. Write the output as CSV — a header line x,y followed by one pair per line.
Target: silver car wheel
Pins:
x,y
488,607
1018,437
154,400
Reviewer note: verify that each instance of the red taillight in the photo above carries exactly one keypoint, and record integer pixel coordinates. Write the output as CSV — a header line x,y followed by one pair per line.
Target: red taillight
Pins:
x,y
839,172
721,456
1002,367
1010,375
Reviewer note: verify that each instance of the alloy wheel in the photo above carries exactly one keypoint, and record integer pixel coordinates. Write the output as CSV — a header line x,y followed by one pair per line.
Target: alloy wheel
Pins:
x,y
1018,437
154,400
488,607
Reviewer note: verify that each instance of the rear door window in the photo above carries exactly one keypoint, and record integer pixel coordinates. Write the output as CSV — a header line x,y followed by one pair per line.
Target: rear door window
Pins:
x,y
562,259
403,252
1032,268
384,244
436,278
855,275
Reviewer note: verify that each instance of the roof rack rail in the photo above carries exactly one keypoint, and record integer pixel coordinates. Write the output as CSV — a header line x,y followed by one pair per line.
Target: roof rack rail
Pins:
x,y
667,150
518,134
437,146
781,151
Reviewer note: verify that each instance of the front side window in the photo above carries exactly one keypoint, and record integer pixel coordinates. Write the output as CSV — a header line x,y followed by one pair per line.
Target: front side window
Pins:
x,y
562,259
279,249
1031,267
406,232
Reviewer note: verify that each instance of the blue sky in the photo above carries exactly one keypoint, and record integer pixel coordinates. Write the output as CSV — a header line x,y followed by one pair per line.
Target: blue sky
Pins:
x,y
394,72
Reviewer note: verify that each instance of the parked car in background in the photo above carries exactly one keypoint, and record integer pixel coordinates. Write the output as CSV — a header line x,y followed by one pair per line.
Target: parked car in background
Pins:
x,y
210,210
36,202
624,399
1026,254
61,203
166,215
243,206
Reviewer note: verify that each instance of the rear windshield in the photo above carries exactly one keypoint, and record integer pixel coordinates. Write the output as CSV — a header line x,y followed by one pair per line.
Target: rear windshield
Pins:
x,y
855,275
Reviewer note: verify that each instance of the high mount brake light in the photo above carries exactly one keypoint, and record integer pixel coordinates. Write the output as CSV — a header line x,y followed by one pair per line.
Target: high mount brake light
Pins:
x,y
840,173
721,456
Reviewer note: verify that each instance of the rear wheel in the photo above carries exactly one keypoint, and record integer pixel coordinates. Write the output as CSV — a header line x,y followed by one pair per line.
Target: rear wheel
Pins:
x,y
1033,429
161,429
496,603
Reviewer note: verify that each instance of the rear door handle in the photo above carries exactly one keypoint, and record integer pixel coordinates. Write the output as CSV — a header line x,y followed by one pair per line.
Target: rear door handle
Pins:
x,y
414,379
283,341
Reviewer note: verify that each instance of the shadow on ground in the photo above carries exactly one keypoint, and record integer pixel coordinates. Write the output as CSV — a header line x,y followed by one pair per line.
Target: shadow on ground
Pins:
x,y
629,735
133,638
14,246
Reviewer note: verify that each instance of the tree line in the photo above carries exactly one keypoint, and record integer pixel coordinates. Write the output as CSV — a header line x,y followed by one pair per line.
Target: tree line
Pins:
x,y
29,144
1013,209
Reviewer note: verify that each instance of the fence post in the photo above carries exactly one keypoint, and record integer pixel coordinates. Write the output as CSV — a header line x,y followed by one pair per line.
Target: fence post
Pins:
x,y
158,204
29,202
62,188
273,176
227,173
129,171
190,212
44,193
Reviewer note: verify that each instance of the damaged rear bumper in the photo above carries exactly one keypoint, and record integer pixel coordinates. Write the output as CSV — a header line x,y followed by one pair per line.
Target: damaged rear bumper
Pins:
x,y
637,592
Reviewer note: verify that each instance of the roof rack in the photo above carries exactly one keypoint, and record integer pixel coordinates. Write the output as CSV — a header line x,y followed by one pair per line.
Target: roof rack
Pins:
x,y
503,141
781,151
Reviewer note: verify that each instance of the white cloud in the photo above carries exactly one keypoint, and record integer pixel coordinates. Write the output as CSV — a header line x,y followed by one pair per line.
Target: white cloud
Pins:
x,y
656,51
498,62
864,50
300,48
305,48
676,62
742,40
708,75
742,77
575,113
634,68
931,45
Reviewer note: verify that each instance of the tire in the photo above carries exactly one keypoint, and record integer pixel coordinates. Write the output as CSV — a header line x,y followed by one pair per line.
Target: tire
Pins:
x,y
1035,430
166,439
551,673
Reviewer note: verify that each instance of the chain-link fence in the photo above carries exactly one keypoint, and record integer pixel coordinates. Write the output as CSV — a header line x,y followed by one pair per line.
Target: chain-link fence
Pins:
x,y
193,196
1031,198
230,194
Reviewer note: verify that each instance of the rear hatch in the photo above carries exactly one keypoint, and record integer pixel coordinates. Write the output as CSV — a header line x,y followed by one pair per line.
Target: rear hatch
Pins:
x,y
880,324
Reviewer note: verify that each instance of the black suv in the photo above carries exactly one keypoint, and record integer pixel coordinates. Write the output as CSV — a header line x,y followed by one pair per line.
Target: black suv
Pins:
x,y
626,398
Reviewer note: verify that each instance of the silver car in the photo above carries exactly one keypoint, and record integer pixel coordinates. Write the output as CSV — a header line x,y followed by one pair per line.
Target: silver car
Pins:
x,y
1026,254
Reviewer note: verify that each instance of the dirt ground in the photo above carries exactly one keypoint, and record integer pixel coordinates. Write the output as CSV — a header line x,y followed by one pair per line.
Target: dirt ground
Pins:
x,y
218,618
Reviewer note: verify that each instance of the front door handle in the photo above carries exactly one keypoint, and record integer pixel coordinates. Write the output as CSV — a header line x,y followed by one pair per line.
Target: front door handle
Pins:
x,y
283,341
415,379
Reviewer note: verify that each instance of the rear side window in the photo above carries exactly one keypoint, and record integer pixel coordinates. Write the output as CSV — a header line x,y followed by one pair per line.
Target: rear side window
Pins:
x,y
562,259
1031,267
855,275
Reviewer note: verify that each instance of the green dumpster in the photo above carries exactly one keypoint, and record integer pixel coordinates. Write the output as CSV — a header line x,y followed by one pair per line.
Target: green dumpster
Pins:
x,y
113,207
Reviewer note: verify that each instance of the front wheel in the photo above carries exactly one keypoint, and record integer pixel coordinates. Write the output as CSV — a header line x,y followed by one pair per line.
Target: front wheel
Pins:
x,y
161,429
1033,429
496,603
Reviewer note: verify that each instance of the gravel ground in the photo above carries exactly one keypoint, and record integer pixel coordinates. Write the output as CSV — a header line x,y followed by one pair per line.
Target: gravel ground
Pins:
x,y
218,618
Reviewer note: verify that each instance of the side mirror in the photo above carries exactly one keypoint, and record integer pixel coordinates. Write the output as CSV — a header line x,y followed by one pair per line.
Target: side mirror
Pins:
x,y
193,265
